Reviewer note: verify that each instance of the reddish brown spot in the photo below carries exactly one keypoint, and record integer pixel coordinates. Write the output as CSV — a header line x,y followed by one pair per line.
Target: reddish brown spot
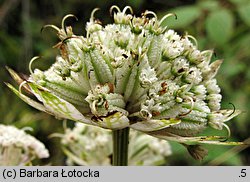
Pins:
x,y
164,88
63,49
164,84
111,87
156,113
106,105
72,138
162,92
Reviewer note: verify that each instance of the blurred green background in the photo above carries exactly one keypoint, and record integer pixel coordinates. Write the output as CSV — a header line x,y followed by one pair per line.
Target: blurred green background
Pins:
x,y
222,25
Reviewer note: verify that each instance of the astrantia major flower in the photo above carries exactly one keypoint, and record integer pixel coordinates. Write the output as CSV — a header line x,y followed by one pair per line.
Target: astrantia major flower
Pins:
x,y
89,145
132,73
19,148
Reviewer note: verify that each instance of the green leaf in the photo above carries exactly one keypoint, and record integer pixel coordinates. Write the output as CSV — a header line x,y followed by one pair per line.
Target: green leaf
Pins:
x,y
209,5
239,2
185,16
223,155
135,3
244,12
220,26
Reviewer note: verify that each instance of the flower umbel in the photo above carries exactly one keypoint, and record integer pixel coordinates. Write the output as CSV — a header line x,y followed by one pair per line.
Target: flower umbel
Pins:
x,y
89,145
132,73
19,148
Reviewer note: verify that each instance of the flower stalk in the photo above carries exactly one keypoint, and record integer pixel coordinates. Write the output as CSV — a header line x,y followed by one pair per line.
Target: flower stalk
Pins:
x,y
120,147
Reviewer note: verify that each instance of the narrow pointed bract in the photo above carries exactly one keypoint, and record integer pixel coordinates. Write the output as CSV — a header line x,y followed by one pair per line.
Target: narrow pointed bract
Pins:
x,y
132,73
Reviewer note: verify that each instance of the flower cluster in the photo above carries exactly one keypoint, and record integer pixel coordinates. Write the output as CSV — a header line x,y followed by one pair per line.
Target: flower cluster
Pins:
x,y
132,73
86,145
89,145
19,148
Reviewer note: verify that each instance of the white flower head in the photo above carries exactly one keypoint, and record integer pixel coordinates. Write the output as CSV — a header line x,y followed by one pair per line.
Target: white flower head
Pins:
x,y
131,73
19,148
88,145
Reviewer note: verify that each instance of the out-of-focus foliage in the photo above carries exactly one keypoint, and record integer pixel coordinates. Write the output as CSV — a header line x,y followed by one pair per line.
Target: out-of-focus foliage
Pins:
x,y
222,25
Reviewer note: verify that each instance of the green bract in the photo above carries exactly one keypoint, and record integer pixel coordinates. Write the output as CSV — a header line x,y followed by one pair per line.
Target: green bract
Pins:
x,y
132,73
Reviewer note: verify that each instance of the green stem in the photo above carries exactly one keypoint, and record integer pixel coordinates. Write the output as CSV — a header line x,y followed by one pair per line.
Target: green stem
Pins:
x,y
120,147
